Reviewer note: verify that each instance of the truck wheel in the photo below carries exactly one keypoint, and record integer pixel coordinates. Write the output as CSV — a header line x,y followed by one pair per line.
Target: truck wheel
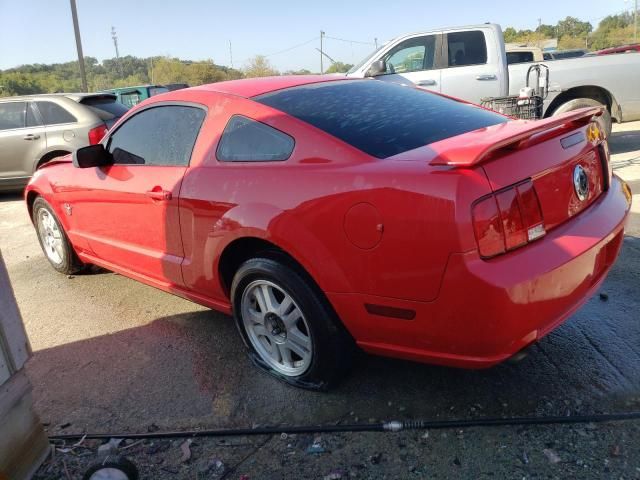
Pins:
x,y
604,121
288,327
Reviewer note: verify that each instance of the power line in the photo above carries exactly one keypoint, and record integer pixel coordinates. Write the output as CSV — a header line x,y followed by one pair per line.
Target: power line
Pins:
x,y
349,41
292,48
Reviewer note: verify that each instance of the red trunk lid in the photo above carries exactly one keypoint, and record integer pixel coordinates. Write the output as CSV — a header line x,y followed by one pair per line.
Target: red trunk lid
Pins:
x,y
552,168
565,159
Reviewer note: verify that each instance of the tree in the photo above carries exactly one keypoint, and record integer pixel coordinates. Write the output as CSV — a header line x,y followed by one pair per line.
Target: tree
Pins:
x,y
302,71
510,35
259,66
339,67
573,27
547,31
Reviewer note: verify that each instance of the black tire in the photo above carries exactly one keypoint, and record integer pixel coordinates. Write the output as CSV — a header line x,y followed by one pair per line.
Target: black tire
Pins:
x,y
117,463
332,346
70,263
605,121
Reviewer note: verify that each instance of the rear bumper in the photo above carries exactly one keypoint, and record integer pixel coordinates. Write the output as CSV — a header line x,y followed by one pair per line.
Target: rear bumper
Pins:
x,y
487,311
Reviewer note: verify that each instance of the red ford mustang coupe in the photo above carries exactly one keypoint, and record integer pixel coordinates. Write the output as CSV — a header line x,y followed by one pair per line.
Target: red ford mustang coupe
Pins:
x,y
322,211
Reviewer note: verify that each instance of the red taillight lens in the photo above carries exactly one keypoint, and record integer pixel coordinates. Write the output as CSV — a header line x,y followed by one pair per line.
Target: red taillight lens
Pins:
x,y
96,134
488,227
507,219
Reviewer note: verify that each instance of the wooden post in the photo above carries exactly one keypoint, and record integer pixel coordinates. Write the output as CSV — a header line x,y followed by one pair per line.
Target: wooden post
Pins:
x,y
23,443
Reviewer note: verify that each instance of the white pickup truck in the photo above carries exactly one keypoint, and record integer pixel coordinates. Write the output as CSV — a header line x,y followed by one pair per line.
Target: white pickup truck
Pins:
x,y
470,63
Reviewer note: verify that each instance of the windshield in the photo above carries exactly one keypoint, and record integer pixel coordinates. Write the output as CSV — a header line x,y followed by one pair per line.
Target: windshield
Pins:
x,y
157,90
366,59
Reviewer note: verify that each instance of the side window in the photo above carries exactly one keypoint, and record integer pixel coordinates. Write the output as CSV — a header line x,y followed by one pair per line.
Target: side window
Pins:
x,y
163,135
12,115
33,120
130,98
466,48
519,57
412,55
54,114
247,140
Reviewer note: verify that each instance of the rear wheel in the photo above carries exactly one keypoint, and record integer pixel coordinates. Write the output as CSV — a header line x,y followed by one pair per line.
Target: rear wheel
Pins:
x,y
604,121
288,327
53,240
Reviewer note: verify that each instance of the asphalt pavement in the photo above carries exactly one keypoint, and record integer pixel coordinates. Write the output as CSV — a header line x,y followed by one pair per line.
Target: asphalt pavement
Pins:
x,y
113,355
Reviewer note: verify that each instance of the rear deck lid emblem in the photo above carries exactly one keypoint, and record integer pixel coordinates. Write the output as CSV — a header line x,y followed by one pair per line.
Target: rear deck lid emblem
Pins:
x,y
581,183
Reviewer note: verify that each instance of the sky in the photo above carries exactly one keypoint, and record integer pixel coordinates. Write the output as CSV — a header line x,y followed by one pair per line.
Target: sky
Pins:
x,y
288,32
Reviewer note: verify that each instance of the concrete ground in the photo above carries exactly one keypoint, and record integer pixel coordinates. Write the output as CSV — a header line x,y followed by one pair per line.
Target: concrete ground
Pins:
x,y
113,355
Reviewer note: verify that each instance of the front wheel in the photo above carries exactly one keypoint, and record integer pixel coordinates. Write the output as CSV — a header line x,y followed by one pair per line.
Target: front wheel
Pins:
x,y
288,327
53,240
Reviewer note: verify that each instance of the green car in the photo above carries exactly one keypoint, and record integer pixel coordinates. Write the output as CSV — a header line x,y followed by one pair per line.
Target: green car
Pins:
x,y
131,96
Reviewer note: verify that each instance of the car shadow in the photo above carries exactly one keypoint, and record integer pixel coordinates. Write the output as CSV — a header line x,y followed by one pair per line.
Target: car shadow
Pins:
x,y
190,370
10,196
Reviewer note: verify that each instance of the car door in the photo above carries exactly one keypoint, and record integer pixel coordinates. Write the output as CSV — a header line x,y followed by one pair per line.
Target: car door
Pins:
x,y
469,75
128,211
416,60
22,140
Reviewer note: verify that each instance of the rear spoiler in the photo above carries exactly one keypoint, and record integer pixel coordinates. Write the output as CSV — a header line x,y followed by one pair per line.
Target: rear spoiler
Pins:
x,y
475,147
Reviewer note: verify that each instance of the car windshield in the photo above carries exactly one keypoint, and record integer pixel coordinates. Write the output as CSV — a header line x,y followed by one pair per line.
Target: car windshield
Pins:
x,y
157,90
106,107
359,65
380,118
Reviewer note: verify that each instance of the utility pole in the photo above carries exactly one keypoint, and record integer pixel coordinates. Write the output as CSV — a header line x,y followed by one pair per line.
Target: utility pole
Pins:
x,y
115,41
230,54
635,22
321,54
76,29
375,40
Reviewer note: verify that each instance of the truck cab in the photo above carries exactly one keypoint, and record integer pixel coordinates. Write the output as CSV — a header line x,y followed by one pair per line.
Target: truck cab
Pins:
x,y
444,61
471,63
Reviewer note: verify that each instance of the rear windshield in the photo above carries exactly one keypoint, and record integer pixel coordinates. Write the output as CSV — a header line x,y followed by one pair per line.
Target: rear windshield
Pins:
x,y
379,118
108,109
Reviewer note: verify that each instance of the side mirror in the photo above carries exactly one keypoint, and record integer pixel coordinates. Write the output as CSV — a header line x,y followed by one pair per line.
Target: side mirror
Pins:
x,y
92,156
377,68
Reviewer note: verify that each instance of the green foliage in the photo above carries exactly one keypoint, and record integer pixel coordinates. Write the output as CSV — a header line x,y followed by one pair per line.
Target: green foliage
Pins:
x,y
612,31
339,67
259,66
573,27
302,71
571,32
122,72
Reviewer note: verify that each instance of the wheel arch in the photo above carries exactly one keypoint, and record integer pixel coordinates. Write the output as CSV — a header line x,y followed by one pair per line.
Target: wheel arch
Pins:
x,y
49,155
594,92
253,228
30,198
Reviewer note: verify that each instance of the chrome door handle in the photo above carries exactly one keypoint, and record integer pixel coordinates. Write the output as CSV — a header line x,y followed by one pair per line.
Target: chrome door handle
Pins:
x,y
486,77
31,136
158,194
426,83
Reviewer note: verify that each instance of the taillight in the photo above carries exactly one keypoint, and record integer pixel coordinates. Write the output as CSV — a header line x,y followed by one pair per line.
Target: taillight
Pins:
x,y
507,219
96,134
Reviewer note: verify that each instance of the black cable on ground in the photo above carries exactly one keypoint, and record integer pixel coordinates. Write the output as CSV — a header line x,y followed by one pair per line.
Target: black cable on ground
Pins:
x,y
392,426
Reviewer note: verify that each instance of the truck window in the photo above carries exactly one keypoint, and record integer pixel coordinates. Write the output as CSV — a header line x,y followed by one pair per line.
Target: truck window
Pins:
x,y
412,55
519,57
466,48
